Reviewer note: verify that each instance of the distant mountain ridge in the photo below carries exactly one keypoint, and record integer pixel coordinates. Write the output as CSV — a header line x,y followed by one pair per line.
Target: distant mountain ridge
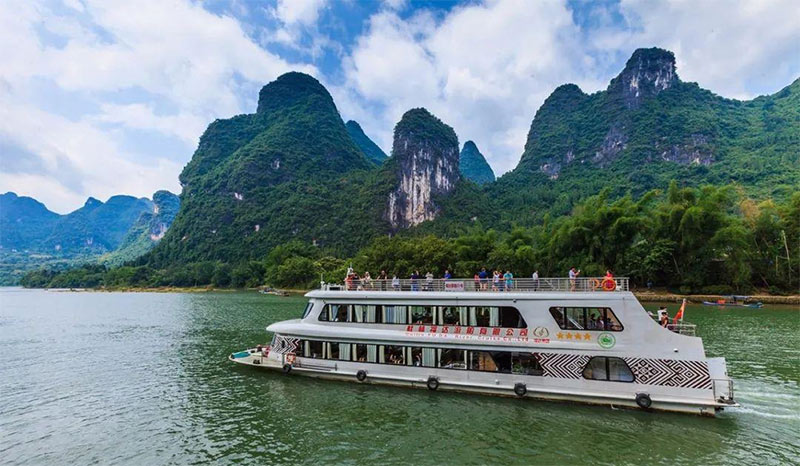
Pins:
x,y
31,235
473,164
647,128
294,173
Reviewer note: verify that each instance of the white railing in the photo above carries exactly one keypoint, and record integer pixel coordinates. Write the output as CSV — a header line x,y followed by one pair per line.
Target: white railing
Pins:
x,y
525,285
683,329
723,390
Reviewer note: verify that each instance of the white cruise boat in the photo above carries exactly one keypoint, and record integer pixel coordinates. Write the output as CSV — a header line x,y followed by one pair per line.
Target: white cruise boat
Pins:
x,y
584,340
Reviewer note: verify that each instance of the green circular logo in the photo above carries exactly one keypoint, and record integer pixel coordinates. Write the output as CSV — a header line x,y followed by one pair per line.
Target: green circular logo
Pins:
x,y
606,340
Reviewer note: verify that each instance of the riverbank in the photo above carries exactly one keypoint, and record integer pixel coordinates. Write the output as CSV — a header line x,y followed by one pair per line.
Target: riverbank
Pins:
x,y
643,296
651,296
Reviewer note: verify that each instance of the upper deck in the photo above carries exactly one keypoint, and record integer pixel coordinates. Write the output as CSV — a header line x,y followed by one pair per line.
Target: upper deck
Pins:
x,y
486,285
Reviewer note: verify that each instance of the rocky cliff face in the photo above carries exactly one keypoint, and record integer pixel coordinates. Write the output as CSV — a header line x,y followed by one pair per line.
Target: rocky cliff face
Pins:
x,y
647,73
425,160
473,164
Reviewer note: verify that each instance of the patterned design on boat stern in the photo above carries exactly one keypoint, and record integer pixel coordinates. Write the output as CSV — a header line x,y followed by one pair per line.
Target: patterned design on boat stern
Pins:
x,y
670,373
284,345
562,366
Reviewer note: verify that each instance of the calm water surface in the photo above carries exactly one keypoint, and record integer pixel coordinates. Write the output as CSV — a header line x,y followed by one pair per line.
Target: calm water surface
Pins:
x,y
142,378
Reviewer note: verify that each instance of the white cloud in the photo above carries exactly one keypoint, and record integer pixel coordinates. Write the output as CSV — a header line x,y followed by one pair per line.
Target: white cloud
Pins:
x,y
483,69
181,65
733,48
303,12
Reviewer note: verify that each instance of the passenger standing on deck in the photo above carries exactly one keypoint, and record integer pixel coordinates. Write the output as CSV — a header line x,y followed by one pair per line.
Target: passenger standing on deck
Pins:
x,y
477,282
535,278
395,283
509,278
383,277
447,274
484,277
496,280
429,281
414,279
367,281
573,278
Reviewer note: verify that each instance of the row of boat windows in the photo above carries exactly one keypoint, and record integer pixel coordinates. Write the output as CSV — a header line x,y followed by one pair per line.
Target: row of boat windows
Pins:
x,y
509,362
586,318
475,316
568,318
445,358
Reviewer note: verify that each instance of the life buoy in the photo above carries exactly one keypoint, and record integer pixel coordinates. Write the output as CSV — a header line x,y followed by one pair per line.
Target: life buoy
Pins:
x,y
433,383
643,400
609,284
520,389
361,375
596,284
287,368
290,358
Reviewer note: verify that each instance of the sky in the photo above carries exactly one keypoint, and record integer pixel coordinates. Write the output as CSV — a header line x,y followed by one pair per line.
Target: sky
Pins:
x,y
105,97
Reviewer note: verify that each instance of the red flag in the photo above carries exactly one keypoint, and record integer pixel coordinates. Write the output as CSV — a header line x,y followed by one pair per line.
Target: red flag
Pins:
x,y
679,315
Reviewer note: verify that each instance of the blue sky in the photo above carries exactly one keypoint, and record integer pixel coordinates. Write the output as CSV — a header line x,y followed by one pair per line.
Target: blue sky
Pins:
x,y
106,97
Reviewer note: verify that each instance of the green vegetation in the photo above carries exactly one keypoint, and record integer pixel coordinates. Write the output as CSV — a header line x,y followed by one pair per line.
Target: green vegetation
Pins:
x,y
284,196
32,237
473,165
365,144
579,144
708,240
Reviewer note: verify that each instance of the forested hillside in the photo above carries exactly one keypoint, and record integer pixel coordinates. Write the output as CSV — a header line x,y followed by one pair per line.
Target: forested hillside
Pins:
x,y
653,177
31,236
646,129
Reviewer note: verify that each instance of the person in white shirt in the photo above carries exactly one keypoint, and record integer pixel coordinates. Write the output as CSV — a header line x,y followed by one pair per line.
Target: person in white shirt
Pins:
x,y
573,276
535,278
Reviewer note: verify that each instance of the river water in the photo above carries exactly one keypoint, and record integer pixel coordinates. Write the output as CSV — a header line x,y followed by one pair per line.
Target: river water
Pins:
x,y
142,378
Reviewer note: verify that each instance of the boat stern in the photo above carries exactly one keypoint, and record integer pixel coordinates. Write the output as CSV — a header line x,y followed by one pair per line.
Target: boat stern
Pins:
x,y
721,383
258,356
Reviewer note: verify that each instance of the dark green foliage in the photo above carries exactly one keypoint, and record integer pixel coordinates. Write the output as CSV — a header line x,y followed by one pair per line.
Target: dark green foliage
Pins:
x,y
25,223
291,172
422,125
579,144
365,144
119,230
473,165
147,231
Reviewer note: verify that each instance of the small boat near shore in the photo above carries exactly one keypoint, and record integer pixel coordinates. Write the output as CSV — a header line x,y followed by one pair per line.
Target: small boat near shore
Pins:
x,y
549,338
273,291
734,301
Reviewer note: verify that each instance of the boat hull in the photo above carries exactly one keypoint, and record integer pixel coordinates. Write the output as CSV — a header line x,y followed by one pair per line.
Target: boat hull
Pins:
x,y
483,383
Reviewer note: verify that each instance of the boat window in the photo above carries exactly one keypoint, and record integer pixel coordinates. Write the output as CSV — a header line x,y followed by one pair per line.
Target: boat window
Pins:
x,y
453,359
451,315
608,368
526,364
395,314
494,361
366,314
586,318
334,313
423,357
511,318
315,349
300,348
394,354
366,353
422,314
307,311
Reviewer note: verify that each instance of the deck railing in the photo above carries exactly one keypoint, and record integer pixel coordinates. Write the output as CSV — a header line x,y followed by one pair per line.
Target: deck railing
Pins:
x,y
523,285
